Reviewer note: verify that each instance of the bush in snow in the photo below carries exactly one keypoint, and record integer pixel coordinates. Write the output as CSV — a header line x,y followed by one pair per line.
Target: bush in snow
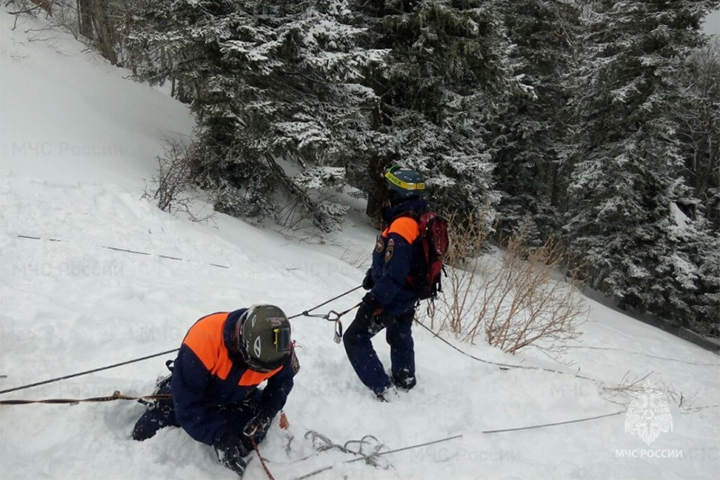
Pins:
x,y
524,299
173,184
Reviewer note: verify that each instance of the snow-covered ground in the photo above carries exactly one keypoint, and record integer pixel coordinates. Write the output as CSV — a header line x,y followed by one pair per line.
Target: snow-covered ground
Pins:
x,y
79,141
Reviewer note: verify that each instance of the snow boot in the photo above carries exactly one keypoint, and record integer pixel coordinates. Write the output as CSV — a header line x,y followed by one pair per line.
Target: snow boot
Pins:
x,y
390,395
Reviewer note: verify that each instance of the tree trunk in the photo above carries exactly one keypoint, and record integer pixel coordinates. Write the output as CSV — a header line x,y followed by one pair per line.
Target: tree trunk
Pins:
x,y
95,24
84,9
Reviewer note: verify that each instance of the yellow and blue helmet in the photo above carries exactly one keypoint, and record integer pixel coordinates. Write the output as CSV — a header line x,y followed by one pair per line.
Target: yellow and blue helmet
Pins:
x,y
404,183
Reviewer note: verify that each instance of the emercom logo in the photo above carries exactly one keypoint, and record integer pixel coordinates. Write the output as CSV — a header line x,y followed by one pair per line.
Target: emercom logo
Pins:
x,y
648,414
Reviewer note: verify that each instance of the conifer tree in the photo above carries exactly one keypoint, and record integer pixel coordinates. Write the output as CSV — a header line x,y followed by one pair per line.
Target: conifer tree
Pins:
x,y
698,117
629,194
275,90
436,96
531,133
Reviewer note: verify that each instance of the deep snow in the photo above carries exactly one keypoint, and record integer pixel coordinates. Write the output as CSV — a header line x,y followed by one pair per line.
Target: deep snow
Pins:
x,y
78,142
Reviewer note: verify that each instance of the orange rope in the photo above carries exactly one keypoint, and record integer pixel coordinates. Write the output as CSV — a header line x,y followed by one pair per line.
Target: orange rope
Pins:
x,y
262,462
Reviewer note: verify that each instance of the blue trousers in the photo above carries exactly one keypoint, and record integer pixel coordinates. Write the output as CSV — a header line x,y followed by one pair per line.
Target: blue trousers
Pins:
x,y
161,414
364,359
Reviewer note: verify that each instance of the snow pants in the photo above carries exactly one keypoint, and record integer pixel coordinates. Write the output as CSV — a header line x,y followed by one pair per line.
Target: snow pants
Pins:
x,y
364,359
161,414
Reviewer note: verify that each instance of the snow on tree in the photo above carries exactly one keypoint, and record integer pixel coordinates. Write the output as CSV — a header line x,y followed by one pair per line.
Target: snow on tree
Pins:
x,y
447,67
627,177
531,131
698,117
275,88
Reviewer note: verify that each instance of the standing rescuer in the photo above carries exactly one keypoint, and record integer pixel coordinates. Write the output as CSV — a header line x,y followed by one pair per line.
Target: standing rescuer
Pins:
x,y
215,378
391,301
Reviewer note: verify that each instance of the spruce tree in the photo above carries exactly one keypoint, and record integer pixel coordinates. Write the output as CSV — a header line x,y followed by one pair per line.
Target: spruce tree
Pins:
x,y
275,90
626,181
436,97
698,117
531,132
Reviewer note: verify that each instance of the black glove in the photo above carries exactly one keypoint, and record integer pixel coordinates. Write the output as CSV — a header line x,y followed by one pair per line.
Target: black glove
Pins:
x,y
257,427
230,451
371,305
368,281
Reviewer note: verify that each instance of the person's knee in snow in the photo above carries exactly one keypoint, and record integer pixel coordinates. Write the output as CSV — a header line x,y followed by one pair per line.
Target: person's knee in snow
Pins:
x,y
220,364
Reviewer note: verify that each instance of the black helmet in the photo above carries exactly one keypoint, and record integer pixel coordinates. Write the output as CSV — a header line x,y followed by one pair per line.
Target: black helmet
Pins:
x,y
265,337
404,183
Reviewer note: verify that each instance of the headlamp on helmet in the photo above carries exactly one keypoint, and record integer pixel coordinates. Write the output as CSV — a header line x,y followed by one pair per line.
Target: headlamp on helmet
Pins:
x,y
265,337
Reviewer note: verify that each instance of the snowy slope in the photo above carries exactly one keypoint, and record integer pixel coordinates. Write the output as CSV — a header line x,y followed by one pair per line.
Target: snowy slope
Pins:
x,y
77,142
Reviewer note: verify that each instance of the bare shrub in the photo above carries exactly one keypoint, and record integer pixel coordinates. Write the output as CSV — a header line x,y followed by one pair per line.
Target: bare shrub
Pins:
x,y
459,294
58,13
527,298
628,386
526,302
357,256
46,5
172,187
32,8
632,387
65,17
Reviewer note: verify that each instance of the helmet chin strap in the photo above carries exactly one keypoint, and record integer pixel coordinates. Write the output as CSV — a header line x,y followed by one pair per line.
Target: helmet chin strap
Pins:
x,y
235,339
395,198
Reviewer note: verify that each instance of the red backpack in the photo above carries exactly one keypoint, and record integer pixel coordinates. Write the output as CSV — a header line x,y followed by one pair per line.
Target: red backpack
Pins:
x,y
425,278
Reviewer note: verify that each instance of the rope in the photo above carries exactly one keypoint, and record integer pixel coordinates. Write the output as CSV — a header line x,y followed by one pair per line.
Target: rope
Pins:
x,y
340,314
372,457
316,472
553,424
88,372
115,396
645,355
505,366
369,458
433,442
126,250
147,357
502,365
307,312
338,324
262,462
327,444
